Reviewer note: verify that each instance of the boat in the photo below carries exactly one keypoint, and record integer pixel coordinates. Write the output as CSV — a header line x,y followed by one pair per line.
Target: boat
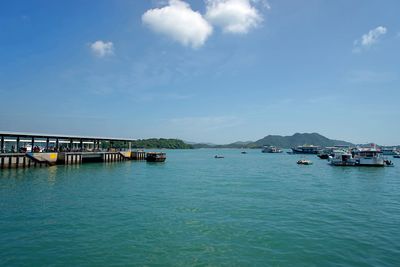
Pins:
x,y
389,151
306,149
388,163
271,149
218,157
304,162
326,152
396,156
155,157
243,152
342,158
368,157
323,155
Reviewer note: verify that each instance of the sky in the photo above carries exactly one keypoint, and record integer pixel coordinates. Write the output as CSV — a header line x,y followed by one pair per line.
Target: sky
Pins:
x,y
215,71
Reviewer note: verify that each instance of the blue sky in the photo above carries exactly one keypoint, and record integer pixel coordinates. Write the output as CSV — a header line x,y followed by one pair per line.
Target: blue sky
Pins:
x,y
212,71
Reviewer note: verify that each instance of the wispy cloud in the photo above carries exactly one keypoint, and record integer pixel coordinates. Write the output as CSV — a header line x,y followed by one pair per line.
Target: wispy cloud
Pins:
x,y
179,22
234,16
369,39
102,49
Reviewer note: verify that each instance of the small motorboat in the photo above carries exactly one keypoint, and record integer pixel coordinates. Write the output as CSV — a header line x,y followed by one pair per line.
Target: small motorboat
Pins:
x,y
396,156
155,157
218,157
388,163
304,162
243,152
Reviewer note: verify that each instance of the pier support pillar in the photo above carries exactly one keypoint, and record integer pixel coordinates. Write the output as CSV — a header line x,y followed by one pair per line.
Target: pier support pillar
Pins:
x,y
17,146
32,144
71,143
2,145
47,144
57,144
81,145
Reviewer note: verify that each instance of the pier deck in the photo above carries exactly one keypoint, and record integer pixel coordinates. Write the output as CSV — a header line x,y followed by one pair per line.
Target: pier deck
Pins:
x,y
23,150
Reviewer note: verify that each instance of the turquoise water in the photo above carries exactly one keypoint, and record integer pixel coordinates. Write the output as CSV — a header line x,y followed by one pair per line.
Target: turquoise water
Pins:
x,y
244,210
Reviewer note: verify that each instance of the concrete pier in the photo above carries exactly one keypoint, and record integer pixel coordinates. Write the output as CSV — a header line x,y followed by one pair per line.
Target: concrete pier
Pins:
x,y
24,150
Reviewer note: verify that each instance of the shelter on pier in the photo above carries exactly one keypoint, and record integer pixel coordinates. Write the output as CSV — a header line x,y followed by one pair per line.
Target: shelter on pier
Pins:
x,y
16,142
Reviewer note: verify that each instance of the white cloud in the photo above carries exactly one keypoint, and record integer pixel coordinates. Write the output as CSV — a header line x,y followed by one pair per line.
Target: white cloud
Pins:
x,y
179,22
234,16
102,49
369,39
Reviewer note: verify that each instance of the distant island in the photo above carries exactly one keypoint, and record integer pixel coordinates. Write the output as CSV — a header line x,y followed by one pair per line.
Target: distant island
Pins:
x,y
297,139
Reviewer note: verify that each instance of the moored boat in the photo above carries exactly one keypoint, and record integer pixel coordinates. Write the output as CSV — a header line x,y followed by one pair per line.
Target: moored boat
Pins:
x,y
306,149
342,158
271,149
155,157
323,155
326,152
368,157
389,151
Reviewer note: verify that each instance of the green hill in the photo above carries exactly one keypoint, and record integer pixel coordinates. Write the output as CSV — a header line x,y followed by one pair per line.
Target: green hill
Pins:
x,y
298,139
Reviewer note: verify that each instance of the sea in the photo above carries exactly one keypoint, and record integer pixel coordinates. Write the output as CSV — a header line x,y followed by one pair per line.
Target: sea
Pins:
x,y
249,209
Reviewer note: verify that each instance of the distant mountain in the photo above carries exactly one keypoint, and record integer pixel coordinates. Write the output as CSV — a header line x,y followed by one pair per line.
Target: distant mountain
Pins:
x,y
298,139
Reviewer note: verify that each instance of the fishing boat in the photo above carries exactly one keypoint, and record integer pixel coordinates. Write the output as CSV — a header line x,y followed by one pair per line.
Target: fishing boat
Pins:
x,y
218,157
304,162
155,157
271,149
389,151
342,158
368,157
326,152
306,149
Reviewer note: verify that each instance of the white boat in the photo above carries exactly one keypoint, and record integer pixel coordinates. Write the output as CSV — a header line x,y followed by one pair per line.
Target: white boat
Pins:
x,y
359,157
389,151
368,157
342,157
271,149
